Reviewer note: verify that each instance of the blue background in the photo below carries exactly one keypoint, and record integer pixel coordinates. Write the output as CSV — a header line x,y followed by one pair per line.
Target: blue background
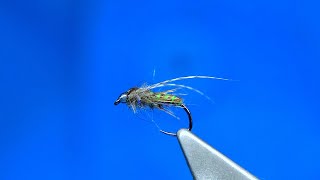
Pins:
x,y
63,63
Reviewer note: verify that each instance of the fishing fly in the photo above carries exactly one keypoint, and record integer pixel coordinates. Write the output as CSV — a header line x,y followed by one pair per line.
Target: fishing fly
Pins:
x,y
147,96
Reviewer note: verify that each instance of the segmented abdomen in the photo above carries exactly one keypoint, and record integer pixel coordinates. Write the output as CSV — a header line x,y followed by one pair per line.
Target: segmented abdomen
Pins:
x,y
167,99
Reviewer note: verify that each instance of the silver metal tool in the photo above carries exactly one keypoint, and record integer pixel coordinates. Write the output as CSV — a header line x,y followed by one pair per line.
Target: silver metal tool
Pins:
x,y
207,163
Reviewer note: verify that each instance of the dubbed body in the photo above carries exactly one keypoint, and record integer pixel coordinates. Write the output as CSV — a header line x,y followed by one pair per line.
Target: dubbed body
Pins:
x,y
145,97
142,98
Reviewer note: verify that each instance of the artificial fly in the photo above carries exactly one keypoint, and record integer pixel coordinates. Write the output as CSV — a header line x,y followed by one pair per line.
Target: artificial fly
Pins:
x,y
145,97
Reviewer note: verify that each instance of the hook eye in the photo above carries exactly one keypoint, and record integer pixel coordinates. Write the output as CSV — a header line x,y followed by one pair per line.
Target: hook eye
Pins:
x,y
117,102
121,99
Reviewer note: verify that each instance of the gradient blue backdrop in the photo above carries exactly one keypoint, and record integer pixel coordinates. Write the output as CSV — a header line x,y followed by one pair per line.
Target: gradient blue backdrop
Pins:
x,y
63,63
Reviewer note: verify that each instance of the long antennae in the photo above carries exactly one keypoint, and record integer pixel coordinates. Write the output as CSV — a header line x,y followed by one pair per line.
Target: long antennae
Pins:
x,y
187,77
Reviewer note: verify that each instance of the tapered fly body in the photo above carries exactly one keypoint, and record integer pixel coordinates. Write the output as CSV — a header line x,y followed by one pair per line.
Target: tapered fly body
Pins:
x,y
146,96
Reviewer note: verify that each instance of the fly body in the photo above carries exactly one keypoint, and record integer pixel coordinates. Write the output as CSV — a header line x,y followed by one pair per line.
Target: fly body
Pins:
x,y
146,97
167,99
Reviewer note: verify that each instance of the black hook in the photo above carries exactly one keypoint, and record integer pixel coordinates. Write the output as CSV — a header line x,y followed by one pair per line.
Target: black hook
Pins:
x,y
190,122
